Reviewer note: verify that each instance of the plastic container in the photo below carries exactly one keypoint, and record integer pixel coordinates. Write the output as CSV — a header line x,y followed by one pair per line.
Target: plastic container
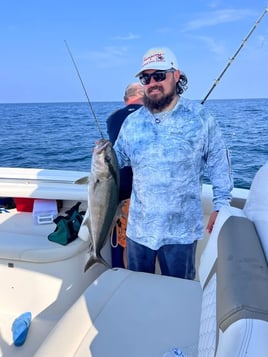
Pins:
x,y
44,211
24,204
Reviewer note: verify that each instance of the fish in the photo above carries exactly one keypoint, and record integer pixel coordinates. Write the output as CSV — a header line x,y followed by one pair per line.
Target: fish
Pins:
x,y
103,199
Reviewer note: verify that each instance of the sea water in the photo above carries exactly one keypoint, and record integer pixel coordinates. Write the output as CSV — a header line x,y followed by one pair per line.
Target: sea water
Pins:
x,y
62,135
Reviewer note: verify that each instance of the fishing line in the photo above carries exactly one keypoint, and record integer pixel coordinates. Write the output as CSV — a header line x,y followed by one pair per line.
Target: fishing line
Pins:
x,y
235,54
85,91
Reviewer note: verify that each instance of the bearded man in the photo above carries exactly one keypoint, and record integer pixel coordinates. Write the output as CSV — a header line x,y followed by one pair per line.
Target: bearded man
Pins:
x,y
169,142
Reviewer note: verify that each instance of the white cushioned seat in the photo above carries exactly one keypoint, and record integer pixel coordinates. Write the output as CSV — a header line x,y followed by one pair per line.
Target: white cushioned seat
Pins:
x,y
125,313
130,314
21,239
256,207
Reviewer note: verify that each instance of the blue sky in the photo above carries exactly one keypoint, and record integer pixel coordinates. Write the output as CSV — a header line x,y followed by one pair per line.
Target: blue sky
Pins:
x,y
109,38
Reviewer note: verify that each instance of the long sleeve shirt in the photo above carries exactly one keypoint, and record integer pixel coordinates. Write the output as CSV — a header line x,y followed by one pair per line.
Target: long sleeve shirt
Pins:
x,y
168,156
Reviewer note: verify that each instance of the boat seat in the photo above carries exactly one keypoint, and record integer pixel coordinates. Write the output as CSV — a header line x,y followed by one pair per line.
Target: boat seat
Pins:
x,y
22,240
234,316
256,207
138,314
242,233
124,313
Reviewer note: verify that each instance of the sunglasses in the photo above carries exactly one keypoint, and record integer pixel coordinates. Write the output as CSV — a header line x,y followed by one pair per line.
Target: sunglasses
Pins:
x,y
158,76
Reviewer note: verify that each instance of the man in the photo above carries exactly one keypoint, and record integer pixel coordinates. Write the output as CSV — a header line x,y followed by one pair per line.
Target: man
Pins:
x,y
133,99
168,143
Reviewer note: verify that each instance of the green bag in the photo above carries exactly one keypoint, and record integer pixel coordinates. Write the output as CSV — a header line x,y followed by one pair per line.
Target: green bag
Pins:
x,y
67,226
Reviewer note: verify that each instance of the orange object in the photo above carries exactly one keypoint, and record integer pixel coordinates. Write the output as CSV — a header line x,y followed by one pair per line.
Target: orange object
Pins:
x,y
121,225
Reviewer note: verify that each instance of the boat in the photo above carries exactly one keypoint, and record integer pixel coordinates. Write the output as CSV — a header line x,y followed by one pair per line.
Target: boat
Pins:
x,y
116,312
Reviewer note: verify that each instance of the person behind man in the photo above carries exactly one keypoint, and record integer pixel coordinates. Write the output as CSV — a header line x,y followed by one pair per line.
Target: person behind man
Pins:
x,y
168,143
133,100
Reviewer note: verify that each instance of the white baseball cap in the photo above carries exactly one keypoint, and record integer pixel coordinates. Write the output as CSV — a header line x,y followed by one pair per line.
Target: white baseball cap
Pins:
x,y
159,59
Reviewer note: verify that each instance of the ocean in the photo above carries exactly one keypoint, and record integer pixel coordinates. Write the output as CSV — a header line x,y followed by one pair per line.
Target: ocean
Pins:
x,y
62,135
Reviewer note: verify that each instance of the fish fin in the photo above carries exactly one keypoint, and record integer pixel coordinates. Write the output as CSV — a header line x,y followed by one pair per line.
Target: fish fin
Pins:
x,y
82,181
92,260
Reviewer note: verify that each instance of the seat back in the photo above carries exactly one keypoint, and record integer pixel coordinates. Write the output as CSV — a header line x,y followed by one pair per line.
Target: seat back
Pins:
x,y
228,309
256,207
242,291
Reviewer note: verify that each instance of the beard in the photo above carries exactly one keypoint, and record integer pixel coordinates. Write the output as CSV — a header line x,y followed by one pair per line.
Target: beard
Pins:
x,y
155,104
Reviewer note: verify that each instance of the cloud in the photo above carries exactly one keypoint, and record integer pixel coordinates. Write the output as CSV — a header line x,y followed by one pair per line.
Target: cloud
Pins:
x,y
214,3
214,18
211,44
164,30
128,37
261,40
108,57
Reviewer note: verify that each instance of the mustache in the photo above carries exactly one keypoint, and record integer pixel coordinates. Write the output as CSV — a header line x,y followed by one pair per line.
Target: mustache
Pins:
x,y
160,88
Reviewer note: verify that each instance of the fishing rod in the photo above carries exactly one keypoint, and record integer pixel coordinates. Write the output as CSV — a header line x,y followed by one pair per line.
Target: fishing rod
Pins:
x,y
235,54
85,91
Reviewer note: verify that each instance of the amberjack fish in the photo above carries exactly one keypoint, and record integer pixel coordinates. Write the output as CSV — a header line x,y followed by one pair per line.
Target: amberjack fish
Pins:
x,y
103,199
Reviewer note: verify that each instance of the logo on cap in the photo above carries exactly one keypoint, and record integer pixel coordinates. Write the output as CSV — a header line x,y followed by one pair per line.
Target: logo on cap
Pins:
x,y
156,57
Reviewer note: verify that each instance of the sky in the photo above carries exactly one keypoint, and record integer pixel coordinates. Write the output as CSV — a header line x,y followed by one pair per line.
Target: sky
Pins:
x,y
109,38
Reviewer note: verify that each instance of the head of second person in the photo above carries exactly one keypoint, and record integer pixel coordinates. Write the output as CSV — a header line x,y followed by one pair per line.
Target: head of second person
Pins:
x,y
134,94
162,80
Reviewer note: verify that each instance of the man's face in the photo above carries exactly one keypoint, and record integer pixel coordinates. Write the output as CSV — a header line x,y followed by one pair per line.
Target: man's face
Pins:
x,y
159,88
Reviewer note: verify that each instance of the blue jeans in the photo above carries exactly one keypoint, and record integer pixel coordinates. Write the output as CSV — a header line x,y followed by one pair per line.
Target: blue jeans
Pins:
x,y
176,260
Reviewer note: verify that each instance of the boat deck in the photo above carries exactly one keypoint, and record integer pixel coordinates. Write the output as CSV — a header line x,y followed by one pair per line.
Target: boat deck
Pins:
x,y
41,276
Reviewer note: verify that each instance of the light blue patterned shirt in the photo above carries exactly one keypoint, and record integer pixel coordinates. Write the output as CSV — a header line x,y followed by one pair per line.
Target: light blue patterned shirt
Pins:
x,y
168,161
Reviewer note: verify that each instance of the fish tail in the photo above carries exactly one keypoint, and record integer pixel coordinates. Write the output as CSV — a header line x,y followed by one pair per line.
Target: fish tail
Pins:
x,y
94,260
